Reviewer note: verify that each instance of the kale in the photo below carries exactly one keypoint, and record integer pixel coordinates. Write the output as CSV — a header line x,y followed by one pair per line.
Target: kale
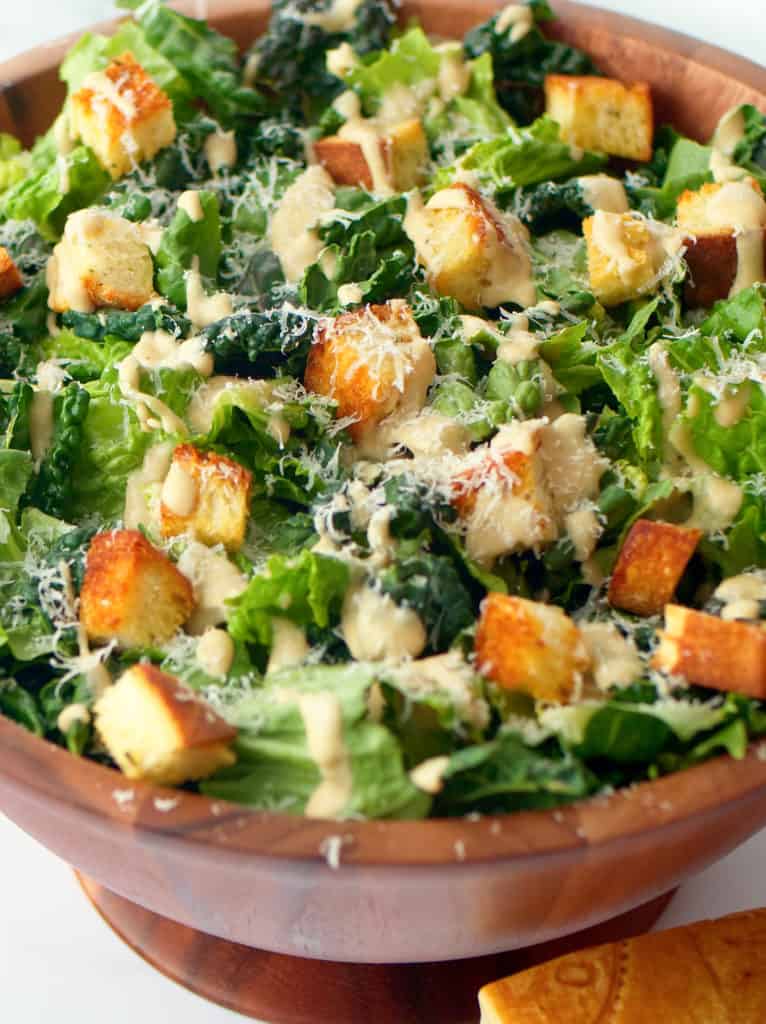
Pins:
x,y
127,326
51,490
290,58
550,205
22,321
432,587
15,406
522,64
28,248
262,343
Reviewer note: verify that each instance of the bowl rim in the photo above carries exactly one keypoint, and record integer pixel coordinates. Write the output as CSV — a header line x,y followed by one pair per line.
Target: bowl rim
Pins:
x,y
32,766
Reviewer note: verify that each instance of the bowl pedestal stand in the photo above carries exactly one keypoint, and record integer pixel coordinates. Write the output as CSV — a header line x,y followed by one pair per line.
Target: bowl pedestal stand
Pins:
x,y
280,989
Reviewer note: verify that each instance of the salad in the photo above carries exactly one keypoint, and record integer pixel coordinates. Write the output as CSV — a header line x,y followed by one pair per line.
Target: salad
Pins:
x,y
383,418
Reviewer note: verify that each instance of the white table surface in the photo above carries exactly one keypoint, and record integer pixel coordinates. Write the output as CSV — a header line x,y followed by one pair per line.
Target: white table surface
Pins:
x,y
58,961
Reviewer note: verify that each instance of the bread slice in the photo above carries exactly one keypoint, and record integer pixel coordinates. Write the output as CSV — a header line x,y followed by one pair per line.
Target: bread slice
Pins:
x,y
711,972
723,654
371,361
101,261
470,250
403,149
157,729
10,278
602,114
132,593
650,564
122,114
207,496
529,646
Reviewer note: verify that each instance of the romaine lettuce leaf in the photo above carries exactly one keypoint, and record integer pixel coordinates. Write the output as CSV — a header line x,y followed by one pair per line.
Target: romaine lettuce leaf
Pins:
x,y
187,243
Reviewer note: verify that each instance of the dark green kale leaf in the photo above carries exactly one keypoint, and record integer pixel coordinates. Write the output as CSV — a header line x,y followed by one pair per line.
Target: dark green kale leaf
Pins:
x,y
262,343
22,321
432,587
15,406
550,205
52,488
522,64
125,325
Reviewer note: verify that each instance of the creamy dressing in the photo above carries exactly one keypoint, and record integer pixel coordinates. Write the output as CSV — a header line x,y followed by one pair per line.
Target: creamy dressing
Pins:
x,y
203,309
601,192
289,645
215,653
159,349
750,261
220,390
454,72
292,233
365,133
341,60
215,580
323,721
179,491
151,411
375,628
614,658
426,434
733,406
516,17
428,776
220,150
741,595
716,500
730,131
668,386
142,493
350,294
72,714
451,674
191,204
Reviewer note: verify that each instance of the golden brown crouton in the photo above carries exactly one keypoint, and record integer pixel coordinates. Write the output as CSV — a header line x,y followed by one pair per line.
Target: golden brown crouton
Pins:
x,y
371,361
471,250
724,655
10,278
403,151
122,114
207,496
157,729
530,646
627,254
101,261
602,114
724,225
651,562
132,593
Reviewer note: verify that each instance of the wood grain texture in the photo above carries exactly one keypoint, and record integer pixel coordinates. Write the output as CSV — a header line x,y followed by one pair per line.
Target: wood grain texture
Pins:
x,y
405,891
290,990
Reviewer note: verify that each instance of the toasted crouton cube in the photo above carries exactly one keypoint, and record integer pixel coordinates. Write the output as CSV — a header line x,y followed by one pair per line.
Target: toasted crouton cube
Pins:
x,y
10,278
713,652
101,261
502,498
651,562
725,239
132,593
403,157
122,114
372,362
602,114
530,646
159,730
207,496
626,255
470,249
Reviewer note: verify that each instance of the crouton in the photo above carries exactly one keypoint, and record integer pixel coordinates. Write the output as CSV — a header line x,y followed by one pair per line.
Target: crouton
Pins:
x,y
101,261
530,646
470,249
602,114
502,498
724,225
10,278
207,496
372,362
132,593
403,151
627,255
651,562
725,655
159,730
122,114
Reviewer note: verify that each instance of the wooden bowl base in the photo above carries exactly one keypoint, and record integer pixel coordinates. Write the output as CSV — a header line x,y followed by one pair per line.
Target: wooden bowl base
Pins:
x,y
289,990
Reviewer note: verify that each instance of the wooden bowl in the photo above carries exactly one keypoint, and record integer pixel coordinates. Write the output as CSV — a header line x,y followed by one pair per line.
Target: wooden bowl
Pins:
x,y
403,891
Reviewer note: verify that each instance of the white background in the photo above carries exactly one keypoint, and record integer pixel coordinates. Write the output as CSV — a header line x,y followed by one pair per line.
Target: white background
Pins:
x,y
58,961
